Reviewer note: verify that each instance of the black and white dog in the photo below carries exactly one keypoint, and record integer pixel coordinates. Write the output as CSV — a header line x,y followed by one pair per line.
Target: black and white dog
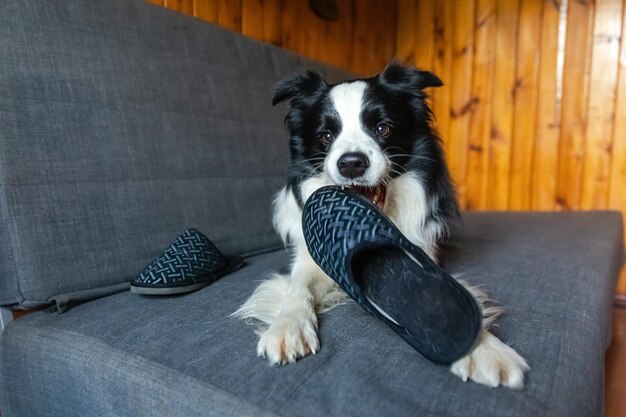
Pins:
x,y
374,135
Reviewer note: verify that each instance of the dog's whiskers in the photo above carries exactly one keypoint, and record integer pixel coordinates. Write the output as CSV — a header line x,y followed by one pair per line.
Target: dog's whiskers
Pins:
x,y
425,158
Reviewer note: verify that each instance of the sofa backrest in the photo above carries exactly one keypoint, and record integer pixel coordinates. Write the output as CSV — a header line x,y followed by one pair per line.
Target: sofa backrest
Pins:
x,y
121,124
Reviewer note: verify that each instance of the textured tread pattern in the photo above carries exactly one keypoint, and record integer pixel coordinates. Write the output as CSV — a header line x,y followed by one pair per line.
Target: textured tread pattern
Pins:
x,y
191,258
335,221
339,224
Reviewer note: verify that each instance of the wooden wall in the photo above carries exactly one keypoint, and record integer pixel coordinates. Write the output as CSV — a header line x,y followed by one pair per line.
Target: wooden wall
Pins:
x,y
362,39
533,111
534,108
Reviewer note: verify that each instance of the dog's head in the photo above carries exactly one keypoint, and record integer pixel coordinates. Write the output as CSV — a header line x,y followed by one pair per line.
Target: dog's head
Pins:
x,y
360,133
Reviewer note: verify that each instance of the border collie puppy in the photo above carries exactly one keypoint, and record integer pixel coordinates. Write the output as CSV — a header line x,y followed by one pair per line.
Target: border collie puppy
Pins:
x,y
373,135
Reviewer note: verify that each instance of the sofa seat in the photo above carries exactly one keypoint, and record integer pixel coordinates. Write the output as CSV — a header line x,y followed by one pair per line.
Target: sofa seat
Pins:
x,y
131,355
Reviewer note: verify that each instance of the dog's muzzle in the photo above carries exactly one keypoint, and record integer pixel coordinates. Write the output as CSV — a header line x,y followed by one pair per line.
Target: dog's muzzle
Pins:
x,y
354,165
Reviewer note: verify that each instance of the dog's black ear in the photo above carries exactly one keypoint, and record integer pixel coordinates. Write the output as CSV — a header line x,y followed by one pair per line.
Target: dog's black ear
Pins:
x,y
299,87
408,78
429,79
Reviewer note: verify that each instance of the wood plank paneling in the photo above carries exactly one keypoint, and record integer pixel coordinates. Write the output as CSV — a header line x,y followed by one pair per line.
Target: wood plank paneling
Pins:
x,y
272,21
621,285
533,110
460,87
362,39
574,104
482,91
443,26
601,112
203,9
546,149
182,6
424,21
501,134
342,51
229,14
370,48
547,119
525,94
406,31
617,189
294,29
251,19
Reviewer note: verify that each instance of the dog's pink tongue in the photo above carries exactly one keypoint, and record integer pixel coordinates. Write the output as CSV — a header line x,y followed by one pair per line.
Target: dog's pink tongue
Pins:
x,y
375,194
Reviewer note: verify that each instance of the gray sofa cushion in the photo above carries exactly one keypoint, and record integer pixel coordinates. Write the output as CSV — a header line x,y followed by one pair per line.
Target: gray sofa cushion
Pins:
x,y
122,124
128,355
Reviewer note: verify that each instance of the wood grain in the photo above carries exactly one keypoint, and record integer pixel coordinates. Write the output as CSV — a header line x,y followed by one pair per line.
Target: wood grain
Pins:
x,y
443,26
525,93
501,131
424,23
342,52
617,187
373,20
461,100
251,18
362,40
574,104
202,9
533,110
621,284
406,32
543,191
183,6
229,14
272,21
601,112
483,68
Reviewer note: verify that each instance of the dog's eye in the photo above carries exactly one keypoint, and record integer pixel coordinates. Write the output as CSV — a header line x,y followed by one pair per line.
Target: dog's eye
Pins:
x,y
326,137
383,130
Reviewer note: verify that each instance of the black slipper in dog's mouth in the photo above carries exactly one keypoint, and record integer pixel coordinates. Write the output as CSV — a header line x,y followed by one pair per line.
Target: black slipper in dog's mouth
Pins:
x,y
376,194
358,247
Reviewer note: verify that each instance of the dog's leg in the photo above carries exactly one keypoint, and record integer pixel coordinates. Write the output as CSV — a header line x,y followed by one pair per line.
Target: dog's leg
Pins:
x,y
288,304
491,362
293,332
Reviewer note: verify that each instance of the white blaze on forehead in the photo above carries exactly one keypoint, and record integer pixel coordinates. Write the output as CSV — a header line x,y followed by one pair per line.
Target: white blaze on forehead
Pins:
x,y
348,100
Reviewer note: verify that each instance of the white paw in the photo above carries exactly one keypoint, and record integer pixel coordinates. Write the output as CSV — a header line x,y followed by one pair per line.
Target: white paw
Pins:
x,y
492,363
288,339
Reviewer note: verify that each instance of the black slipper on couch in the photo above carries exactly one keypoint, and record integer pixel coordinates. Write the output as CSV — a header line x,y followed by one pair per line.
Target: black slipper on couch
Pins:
x,y
188,264
370,259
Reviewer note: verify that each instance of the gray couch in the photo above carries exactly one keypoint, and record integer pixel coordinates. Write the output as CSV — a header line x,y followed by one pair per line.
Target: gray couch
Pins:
x,y
121,124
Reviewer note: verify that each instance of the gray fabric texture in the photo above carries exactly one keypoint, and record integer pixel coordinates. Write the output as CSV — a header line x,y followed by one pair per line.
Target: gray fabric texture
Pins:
x,y
63,302
122,124
129,355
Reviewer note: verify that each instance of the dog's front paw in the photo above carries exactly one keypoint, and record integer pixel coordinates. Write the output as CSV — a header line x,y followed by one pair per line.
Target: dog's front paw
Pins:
x,y
288,339
492,363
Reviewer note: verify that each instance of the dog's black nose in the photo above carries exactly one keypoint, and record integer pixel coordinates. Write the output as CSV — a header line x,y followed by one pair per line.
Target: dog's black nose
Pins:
x,y
353,164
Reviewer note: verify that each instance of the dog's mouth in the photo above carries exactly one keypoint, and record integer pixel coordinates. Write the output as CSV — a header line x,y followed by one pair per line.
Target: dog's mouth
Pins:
x,y
375,194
